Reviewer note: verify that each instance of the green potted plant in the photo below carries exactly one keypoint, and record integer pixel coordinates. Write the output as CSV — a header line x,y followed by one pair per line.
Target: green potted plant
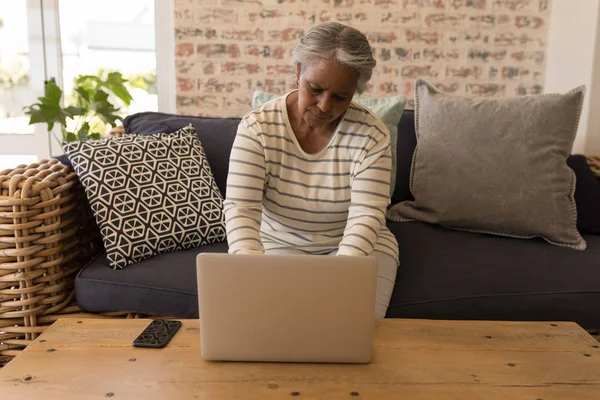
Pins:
x,y
93,106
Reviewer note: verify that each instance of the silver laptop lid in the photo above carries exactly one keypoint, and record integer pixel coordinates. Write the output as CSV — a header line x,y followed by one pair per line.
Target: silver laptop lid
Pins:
x,y
300,308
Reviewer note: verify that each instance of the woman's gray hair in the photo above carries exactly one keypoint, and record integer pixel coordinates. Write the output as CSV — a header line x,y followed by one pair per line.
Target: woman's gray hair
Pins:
x,y
345,44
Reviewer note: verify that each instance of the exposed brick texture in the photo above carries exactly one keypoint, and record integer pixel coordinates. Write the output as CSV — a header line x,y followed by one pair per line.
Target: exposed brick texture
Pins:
x,y
226,49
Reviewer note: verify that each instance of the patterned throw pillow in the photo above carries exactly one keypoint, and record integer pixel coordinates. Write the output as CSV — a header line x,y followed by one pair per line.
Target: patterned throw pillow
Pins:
x,y
150,194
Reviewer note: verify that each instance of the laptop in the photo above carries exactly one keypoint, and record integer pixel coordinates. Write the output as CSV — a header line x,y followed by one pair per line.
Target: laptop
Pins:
x,y
286,308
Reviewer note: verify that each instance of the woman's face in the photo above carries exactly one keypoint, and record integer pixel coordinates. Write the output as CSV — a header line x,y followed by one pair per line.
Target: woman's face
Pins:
x,y
325,90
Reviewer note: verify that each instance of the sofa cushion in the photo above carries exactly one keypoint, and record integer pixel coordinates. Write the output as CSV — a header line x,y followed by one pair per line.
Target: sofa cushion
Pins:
x,y
150,194
447,274
495,165
164,285
587,188
443,274
216,136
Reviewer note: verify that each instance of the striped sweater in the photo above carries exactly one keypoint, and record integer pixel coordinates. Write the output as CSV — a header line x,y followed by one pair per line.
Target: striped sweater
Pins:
x,y
279,196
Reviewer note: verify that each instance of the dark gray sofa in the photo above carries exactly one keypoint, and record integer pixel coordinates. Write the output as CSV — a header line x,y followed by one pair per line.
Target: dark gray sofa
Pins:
x,y
444,274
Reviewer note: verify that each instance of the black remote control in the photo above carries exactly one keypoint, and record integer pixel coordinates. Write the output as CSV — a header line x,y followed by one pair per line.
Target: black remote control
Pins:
x,y
157,334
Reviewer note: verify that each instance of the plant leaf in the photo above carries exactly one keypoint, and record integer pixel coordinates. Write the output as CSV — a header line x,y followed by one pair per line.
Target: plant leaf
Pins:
x,y
115,77
92,103
70,137
83,132
49,114
109,118
52,94
35,116
87,80
48,109
101,97
83,94
53,114
104,109
114,83
72,111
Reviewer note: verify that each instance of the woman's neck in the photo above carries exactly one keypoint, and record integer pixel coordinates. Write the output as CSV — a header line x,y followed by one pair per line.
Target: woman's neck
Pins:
x,y
303,128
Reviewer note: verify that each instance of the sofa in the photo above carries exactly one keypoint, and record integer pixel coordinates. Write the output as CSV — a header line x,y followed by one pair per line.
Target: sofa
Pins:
x,y
443,273
54,264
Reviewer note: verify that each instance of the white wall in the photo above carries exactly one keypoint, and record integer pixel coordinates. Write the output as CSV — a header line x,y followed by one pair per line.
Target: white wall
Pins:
x,y
164,11
573,59
592,142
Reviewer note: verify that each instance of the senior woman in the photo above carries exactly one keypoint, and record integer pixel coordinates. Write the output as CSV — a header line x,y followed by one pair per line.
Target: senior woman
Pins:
x,y
310,171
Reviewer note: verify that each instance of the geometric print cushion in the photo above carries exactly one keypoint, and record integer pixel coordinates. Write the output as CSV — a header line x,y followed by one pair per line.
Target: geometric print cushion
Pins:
x,y
150,194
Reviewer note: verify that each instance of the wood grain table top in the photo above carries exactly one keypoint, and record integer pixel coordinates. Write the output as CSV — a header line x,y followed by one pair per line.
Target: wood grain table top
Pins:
x,y
413,359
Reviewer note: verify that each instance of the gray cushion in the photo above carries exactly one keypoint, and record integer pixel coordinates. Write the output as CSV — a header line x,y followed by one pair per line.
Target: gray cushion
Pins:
x,y
164,285
447,274
495,165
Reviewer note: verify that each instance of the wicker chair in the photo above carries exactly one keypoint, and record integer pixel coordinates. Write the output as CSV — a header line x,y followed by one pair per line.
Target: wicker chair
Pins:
x,y
46,236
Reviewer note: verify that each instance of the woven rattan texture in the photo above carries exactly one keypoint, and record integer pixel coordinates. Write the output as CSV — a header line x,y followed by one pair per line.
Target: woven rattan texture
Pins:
x,y
594,163
45,238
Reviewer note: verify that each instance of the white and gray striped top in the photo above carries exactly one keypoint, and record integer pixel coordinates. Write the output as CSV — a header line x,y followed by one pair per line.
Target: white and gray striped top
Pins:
x,y
279,196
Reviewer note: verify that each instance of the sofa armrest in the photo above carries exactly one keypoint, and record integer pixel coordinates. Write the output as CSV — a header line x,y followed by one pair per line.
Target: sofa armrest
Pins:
x,y
594,162
47,233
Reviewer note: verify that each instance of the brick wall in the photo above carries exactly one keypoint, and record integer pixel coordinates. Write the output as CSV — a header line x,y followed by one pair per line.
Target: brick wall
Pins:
x,y
226,49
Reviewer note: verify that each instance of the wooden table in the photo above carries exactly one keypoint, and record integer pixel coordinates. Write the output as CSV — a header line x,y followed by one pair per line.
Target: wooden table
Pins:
x,y
414,359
